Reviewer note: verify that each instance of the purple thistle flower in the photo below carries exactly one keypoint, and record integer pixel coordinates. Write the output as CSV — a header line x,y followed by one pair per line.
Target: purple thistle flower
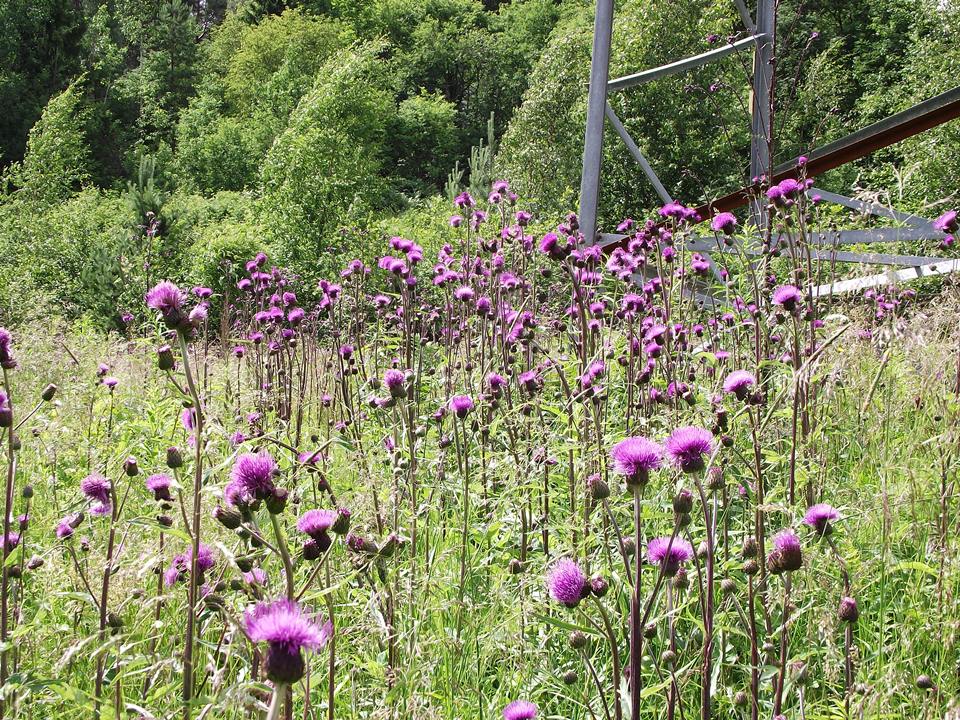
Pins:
x,y
635,458
520,710
64,529
395,381
256,576
787,554
159,485
288,631
788,297
947,222
725,222
6,412
461,405
11,540
669,554
316,524
739,383
168,299
7,360
96,488
251,479
180,566
820,516
848,610
496,383
567,583
110,382
687,447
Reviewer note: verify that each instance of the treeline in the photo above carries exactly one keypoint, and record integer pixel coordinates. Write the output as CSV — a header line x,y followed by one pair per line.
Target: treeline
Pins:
x,y
142,138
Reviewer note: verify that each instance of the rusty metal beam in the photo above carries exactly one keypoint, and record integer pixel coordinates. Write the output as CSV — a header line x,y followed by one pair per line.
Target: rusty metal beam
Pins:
x,y
900,126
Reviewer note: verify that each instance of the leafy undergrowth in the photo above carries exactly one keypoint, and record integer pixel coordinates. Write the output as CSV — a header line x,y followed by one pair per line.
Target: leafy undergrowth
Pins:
x,y
462,429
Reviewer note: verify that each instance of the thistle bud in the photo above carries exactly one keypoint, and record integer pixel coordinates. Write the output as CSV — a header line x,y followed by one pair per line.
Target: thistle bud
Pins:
x,y
27,492
341,526
130,467
599,585
49,392
599,490
728,586
277,501
750,567
165,520
229,517
114,620
577,639
924,682
668,657
848,610
650,631
740,698
629,546
515,567
311,550
570,677
35,562
683,502
680,580
715,478
165,360
245,563
749,548
174,458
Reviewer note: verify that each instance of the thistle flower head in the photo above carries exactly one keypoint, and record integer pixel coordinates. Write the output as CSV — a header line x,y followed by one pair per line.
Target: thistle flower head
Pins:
x,y
669,553
724,222
7,360
635,458
688,447
159,485
787,554
738,383
96,488
317,523
946,222
820,517
788,297
567,583
287,630
167,299
251,479
461,405
520,710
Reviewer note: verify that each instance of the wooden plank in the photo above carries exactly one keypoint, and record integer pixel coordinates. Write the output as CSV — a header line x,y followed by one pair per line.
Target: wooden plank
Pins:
x,y
841,287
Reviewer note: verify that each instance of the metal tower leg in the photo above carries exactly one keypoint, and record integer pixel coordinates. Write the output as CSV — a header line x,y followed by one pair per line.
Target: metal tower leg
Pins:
x,y
596,102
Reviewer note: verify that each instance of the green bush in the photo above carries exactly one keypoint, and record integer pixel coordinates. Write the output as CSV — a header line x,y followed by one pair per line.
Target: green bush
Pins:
x,y
323,171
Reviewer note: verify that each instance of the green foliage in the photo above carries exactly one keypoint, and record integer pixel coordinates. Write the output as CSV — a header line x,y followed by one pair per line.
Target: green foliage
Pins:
x,y
39,53
57,158
423,142
254,77
323,170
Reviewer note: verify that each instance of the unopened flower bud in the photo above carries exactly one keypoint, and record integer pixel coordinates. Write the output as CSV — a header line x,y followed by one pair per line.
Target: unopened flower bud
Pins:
x,y
750,567
245,563
578,639
848,610
728,586
49,392
683,502
174,458
165,360
570,677
341,526
599,585
924,682
229,517
130,467
27,492
515,567
599,490
277,501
